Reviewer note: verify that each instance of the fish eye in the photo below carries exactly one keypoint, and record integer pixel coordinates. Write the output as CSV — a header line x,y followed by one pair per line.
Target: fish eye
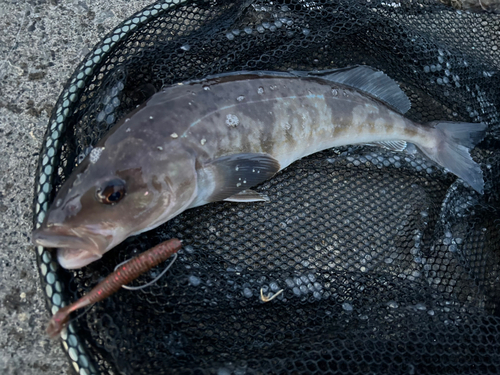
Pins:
x,y
111,192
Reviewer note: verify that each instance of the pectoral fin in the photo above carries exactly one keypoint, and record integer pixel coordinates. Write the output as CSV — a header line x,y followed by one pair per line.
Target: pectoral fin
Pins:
x,y
234,174
247,195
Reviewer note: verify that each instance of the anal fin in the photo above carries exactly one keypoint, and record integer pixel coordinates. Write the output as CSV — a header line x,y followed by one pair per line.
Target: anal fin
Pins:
x,y
390,145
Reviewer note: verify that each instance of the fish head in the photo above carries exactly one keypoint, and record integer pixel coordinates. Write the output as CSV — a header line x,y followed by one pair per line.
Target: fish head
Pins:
x,y
105,201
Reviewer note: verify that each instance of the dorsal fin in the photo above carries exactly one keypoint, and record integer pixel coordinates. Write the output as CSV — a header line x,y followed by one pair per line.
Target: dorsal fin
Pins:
x,y
373,82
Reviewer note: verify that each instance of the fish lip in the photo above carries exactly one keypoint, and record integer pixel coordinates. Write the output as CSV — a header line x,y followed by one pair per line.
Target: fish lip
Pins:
x,y
73,262
47,237
58,238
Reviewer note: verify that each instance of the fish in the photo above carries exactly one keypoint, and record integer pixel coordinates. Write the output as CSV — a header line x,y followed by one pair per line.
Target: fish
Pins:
x,y
125,273
214,139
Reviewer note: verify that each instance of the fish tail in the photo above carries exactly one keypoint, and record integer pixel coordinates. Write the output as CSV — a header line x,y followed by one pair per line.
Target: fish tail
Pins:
x,y
456,139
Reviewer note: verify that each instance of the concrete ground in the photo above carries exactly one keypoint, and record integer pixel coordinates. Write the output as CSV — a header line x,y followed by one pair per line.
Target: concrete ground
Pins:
x,y
41,43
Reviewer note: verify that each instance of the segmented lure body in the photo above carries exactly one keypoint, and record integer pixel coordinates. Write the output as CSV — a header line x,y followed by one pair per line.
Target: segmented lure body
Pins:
x,y
113,282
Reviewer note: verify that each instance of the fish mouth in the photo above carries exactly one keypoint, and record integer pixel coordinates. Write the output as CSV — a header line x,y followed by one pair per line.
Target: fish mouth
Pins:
x,y
45,238
73,251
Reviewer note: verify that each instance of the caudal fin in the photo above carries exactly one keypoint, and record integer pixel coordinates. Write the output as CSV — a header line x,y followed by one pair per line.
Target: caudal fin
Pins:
x,y
452,152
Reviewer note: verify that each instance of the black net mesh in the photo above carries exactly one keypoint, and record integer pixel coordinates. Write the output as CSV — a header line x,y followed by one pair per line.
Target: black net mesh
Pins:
x,y
387,263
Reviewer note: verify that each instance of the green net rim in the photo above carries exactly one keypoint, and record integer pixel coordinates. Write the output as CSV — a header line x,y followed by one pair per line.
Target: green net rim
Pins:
x,y
49,270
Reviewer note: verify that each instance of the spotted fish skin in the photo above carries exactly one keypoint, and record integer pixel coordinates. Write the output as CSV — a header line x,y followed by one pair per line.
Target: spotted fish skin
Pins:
x,y
210,140
285,117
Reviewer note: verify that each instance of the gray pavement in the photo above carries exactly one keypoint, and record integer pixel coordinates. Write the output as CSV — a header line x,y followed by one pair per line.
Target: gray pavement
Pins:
x,y
41,43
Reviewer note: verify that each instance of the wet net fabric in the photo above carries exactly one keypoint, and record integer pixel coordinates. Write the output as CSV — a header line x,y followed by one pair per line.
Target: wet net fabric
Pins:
x,y
386,263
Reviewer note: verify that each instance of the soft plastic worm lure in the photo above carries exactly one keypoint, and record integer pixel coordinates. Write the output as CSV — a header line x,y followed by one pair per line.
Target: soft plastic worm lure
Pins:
x,y
112,283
